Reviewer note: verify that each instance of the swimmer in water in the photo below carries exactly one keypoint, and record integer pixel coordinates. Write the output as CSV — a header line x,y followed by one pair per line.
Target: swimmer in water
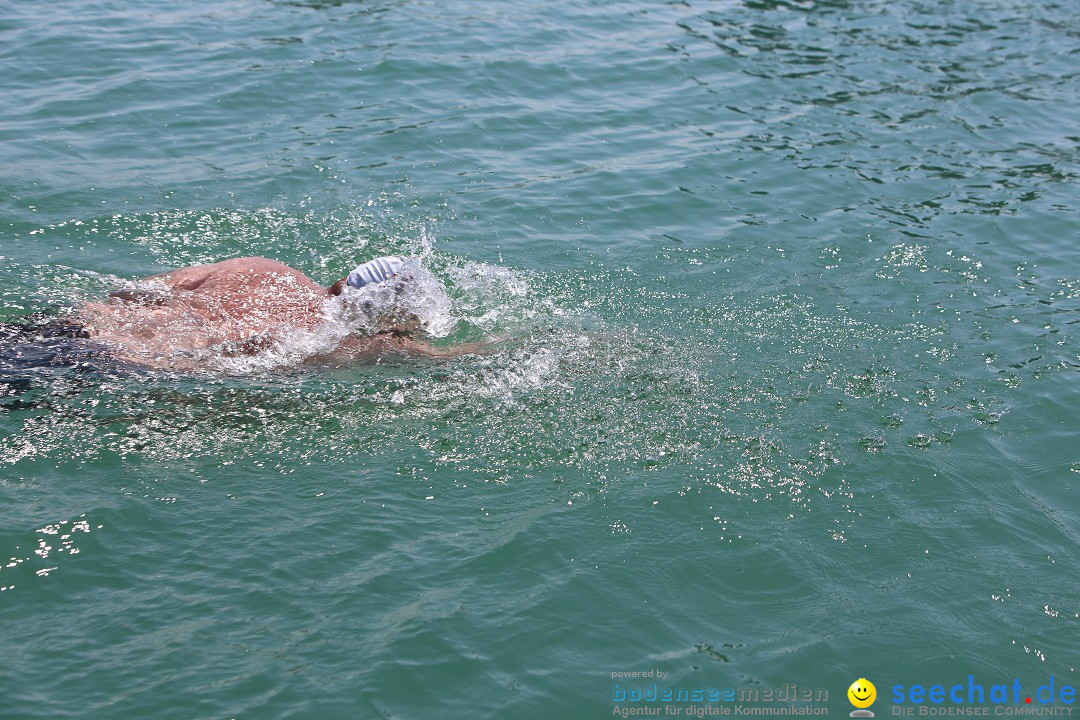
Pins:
x,y
245,306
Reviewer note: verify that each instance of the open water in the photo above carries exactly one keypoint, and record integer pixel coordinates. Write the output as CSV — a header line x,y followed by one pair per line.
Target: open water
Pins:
x,y
786,298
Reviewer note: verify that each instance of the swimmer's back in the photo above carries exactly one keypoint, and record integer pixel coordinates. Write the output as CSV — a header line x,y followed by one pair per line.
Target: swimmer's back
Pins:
x,y
253,291
238,275
247,302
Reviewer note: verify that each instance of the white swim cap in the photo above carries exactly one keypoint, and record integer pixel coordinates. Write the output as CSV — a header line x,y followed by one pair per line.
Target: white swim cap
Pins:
x,y
376,271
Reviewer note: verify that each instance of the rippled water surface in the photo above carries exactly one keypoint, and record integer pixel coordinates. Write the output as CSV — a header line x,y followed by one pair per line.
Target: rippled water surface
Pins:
x,y
782,302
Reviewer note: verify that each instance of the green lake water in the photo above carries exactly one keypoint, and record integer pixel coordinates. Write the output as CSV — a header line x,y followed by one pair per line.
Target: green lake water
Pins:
x,y
785,297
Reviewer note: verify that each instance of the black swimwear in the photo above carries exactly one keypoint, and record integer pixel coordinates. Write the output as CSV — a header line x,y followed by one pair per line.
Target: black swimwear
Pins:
x,y
39,342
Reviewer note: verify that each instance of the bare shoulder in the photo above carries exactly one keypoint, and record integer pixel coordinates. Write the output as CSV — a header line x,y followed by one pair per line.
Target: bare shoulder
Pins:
x,y
191,278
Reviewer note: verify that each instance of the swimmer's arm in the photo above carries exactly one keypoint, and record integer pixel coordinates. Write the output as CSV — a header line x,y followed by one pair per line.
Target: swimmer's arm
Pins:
x,y
418,348
372,348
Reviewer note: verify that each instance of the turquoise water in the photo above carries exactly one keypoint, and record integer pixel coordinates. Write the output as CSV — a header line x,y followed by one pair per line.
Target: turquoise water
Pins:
x,y
785,390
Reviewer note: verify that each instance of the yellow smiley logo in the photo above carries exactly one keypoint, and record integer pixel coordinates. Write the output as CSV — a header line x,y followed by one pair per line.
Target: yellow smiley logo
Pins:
x,y
862,693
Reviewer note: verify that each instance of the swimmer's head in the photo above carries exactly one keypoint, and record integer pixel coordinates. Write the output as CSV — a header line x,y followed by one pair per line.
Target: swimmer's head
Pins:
x,y
376,271
382,305
372,272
